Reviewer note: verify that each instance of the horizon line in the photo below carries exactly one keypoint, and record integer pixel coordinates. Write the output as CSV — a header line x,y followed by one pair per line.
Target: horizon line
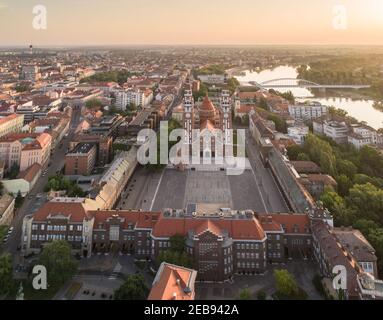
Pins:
x,y
193,44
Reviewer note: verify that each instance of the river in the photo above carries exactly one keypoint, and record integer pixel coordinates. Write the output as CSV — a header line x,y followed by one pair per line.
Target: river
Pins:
x,y
362,110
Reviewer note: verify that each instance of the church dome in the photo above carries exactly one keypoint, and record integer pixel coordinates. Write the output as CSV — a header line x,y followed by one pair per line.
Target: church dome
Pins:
x,y
207,110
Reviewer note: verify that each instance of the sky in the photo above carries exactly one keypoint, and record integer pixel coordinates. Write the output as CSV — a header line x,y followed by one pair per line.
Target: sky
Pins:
x,y
202,22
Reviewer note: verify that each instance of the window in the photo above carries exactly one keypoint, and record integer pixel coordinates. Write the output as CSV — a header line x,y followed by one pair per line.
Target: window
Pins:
x,y
42,227
79,228
114,233
34,226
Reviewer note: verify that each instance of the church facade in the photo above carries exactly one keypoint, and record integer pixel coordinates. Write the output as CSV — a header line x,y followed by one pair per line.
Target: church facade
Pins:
x,y
214,124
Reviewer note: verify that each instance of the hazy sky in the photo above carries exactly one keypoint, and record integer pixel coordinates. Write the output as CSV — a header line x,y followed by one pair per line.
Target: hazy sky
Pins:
x,y
87,22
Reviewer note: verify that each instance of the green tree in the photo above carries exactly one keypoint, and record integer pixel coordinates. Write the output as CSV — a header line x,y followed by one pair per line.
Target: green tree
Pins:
x,y
344,185
375,237
131,107
371,162
6,279
93,103
364,179
367,202
263,104
280,124
177,243
365,226
134,288
245,294
303,157
346,167
59,262
232,85
174,257
294,151
261,295
19,200
14,171
337,206
285,284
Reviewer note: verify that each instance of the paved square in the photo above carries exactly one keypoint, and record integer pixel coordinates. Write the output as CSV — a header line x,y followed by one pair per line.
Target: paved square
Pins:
x,y
178,189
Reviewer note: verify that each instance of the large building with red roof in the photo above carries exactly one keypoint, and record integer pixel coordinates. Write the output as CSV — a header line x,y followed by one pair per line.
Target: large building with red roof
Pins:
x,y
221,243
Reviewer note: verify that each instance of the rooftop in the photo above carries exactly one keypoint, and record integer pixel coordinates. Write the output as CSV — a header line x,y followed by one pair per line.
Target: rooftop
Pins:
x,y
82,148
173,283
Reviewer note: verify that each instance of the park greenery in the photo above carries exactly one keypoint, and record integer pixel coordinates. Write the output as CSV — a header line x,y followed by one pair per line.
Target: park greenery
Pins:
x,y
285,95
59,262
93,103
347,69
212,69
232,84
134,288
261,295
119,76
358,198
203,91
61,183
287,287
244,295
280,123
23,87
19,200
3,233
7,284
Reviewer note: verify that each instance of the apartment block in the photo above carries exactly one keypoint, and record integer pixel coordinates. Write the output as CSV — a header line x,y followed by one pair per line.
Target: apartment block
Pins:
x,y
81,160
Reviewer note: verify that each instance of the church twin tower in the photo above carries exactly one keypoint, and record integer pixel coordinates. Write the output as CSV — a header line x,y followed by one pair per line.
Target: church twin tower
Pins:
x,y
206,116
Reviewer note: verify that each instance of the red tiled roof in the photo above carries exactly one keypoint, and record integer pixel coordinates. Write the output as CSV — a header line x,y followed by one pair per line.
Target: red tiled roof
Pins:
x,y
30,173
290,221
249,229
75,209
8,118
173,283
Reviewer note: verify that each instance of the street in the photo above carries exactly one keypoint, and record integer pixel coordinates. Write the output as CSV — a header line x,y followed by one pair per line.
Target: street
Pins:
x,y
36,197
267,186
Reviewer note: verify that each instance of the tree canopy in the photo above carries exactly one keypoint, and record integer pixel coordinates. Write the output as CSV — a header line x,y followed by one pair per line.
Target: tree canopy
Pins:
x,y
134,288
6,279
287,287
59,262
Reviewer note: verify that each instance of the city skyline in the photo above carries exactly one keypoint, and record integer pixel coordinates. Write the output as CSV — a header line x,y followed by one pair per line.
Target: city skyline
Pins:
x,y
148,22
